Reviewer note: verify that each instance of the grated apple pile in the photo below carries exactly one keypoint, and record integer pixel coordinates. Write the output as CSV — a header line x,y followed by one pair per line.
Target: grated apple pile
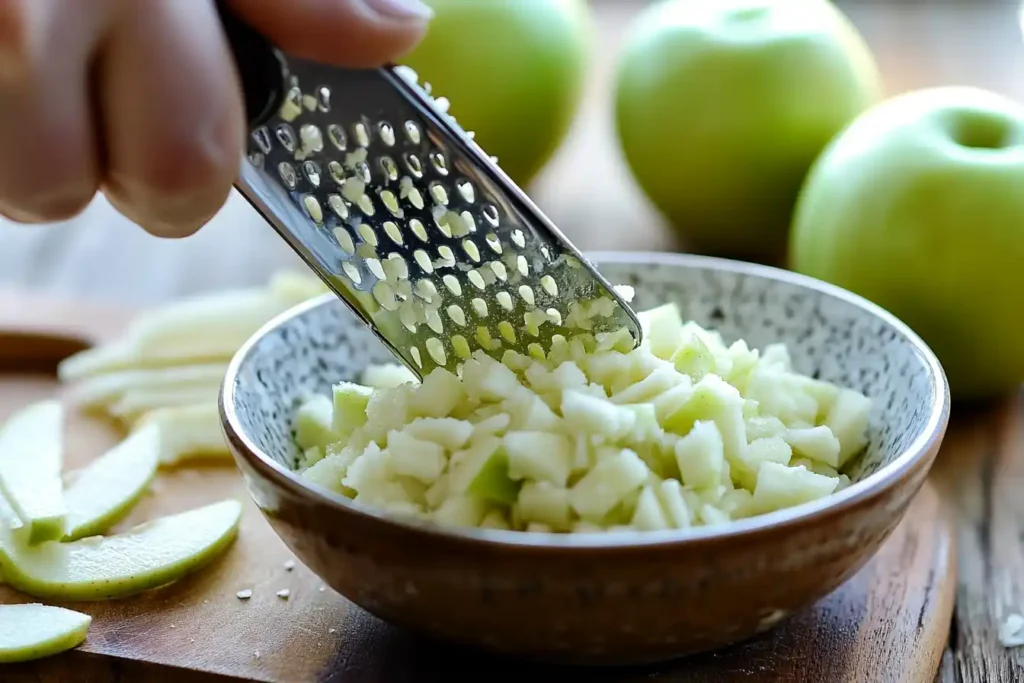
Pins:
x,y
684,430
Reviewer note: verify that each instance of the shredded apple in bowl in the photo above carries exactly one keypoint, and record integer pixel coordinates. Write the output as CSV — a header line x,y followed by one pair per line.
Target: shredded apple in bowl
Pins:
x,y
682,431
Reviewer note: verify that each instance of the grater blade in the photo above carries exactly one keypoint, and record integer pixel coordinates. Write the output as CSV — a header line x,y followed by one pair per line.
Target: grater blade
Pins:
x,y
406,218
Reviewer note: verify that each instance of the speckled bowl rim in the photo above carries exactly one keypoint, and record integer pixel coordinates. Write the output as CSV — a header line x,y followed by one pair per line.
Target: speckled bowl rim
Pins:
x,y
872,486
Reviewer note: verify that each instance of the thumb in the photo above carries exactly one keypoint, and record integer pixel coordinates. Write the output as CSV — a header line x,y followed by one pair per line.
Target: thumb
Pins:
x,y
354,33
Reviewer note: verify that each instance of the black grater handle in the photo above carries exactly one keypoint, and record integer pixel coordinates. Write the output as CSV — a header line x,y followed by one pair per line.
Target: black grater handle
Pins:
x,y
261,68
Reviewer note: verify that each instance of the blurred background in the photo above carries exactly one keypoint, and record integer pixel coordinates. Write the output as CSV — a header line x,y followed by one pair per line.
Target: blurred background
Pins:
x,y
585,188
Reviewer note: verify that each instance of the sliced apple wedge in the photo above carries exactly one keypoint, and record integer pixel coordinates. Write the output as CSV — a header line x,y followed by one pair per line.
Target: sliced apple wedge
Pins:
x,y
107,489
105,390
35,631
31,456
105,567
188,433
137,402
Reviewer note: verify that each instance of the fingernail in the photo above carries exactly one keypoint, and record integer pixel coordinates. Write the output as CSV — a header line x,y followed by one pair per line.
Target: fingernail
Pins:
x,y
401,9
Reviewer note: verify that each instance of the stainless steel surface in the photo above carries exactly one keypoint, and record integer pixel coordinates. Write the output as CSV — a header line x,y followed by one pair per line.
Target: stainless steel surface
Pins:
x,y
407,219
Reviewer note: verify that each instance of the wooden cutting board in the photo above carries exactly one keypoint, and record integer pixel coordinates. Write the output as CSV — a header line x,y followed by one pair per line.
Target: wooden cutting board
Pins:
x,y
889,622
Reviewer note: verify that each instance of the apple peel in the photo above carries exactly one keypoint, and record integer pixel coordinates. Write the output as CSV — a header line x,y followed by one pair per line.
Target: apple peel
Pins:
x,y
152,554
34,631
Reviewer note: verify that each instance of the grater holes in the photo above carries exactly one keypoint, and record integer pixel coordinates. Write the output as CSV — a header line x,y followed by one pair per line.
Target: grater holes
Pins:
x,y
447,257
461,346
504,300
423,261
417,229
465,190
433,320
484,339
286,136
439,163
408,191
366,205
367,234
336,134
288,175
396,270
470,222
388,167
453,285
479,307
506,330
438,193
407,316
344,240
499,270
337,173
493,242
292,105
435,349
526,294
338,206
471,250
522,266
313,209
390,202
518,238
457,315
261,136
426,290
476,279
323,98
362,170
490,213
352,272
386,133
393,232
412,162
311,170
549,285
442,224
256,158
361,135
412,132
384,294
309,102
311,139
554,316
373,265
415,353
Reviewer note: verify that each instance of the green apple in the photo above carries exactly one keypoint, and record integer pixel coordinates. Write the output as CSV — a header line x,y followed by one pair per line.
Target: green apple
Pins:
x,y
31,457
104,567
918,206
513,71
105,491
34,631
721,106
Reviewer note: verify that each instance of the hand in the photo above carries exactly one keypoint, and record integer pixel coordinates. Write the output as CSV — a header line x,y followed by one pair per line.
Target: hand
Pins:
x,y
140,99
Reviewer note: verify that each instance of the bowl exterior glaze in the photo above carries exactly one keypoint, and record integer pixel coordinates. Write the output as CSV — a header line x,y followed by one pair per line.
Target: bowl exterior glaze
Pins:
x,y
602,600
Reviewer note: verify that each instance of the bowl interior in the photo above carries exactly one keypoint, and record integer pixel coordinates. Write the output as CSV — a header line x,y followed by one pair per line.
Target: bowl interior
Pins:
x,y
830,335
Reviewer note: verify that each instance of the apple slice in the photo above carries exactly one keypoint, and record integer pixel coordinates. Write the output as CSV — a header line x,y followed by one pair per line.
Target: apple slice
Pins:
x,y
35,631
137,402
105,491
104,567
31,455
188,433
105,390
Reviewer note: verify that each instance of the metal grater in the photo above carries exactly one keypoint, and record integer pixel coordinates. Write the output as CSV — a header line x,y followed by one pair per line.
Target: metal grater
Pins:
x,y
405,217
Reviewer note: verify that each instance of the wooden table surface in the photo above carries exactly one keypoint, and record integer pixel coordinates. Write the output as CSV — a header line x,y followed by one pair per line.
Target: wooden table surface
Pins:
x,y
589,194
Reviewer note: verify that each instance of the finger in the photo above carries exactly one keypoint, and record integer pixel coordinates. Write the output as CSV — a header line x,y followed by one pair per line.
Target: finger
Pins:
x,y
49,167
356,33
172,115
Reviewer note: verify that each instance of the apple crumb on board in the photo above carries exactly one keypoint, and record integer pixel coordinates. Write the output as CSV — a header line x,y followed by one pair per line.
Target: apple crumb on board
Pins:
x,y
284,593
1011,632
591,436
244,594
332,630
289,565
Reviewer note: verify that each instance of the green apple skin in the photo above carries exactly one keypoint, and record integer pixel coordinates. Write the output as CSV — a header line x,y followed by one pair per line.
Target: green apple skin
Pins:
x,y
721,107
513,71
919,207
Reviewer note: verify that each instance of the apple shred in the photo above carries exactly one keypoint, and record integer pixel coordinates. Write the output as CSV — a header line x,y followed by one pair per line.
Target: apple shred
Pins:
x,y
683,431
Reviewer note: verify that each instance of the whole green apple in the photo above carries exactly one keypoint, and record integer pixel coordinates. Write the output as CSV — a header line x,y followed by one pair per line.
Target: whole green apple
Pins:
x,y
723,105
513,71
919,207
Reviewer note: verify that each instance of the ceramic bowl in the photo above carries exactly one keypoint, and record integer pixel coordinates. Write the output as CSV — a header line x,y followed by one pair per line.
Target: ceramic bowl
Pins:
x,y
594,598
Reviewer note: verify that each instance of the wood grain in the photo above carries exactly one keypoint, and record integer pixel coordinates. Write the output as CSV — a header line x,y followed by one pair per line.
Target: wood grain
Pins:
x,y
893,616
980,473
